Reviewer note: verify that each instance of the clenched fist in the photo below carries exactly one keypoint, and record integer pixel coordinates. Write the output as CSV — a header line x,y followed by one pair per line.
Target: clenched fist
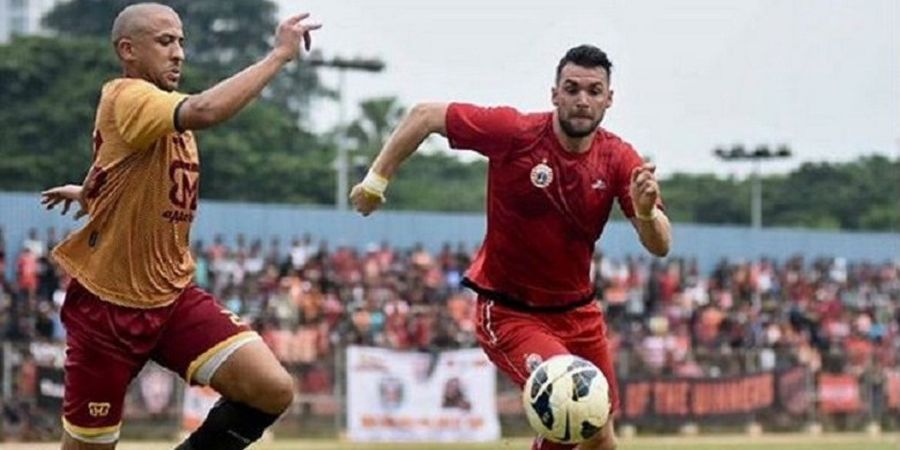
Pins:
x,y
644,189
364,200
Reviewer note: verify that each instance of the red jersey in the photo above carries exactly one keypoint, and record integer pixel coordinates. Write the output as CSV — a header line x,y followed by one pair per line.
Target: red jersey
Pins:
x,y
546,207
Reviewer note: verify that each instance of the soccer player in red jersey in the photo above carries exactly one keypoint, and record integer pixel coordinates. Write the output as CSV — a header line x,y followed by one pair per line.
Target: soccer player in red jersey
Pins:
x,y
131,299
552,180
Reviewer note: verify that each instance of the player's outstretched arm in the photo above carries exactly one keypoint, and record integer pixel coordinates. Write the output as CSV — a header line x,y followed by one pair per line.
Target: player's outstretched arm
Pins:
x,y
65,195
651,223
422,120
225,99
69,193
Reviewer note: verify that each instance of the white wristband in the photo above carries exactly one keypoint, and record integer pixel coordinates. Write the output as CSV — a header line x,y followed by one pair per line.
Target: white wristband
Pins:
x,y
374,184
654,213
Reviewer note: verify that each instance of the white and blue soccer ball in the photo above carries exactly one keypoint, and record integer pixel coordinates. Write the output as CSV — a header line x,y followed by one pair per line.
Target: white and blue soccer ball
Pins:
x,y
566,399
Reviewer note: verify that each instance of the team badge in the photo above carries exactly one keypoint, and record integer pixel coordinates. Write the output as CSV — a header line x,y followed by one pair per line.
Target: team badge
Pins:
x,y
97,409
542,175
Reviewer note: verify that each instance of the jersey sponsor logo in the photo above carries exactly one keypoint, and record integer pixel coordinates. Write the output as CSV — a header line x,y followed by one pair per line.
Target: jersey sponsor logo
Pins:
x,y
184,186
183,195
98,409
541,175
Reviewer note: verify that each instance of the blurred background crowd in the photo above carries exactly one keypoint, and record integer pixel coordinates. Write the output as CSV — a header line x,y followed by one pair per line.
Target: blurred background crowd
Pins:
x,y
666,317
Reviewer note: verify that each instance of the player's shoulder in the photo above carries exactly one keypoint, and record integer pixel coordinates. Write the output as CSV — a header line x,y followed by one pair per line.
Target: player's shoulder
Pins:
x,y
128,83
613,142
509,118
117,86
540,120
525,128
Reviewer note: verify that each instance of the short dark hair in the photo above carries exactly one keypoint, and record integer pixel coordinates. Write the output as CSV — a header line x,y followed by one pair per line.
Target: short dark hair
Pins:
x,y
585,56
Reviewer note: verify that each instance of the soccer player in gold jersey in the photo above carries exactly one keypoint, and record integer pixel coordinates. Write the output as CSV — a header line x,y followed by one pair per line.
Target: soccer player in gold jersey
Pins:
x,y
131,299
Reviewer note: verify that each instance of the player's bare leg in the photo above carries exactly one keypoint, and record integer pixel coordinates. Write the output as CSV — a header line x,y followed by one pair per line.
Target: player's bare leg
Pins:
x,y
255,389
604,440
254,377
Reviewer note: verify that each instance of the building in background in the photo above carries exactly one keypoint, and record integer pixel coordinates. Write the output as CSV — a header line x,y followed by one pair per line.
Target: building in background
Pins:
x,y
22,17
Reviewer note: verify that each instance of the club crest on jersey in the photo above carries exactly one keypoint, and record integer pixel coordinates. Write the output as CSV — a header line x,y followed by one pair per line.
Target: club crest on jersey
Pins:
x,y
98,409
541,175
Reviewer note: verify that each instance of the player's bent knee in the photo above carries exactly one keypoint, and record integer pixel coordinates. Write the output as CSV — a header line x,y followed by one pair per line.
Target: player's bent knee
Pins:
x,y
279,393
271,392
254,377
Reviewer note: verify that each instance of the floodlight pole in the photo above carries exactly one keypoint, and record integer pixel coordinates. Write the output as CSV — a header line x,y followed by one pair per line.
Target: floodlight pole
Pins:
x,y
756,203
342,65
762,153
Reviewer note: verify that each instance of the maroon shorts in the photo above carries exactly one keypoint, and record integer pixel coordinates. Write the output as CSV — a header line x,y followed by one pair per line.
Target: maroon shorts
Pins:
x,y
517,341
107,345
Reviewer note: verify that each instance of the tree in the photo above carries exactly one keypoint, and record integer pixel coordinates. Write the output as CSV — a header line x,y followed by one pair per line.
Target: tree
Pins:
x,y
856,195
222,34
436,181
49,89
221,38
461,186
379,116
705,199
862,194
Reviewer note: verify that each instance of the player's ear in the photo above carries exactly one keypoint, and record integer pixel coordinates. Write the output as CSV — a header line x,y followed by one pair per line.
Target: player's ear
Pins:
x,y
125,49
610,101
554,95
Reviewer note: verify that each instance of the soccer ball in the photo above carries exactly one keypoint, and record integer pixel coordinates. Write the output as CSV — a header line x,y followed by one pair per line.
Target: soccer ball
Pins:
x,y
566,399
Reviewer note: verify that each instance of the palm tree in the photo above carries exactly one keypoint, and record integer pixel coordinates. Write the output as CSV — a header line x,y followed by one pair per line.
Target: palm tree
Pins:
x,y
377,119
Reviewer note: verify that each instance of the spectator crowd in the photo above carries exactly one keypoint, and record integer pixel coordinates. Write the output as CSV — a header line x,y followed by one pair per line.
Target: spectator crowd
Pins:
x,y
666,317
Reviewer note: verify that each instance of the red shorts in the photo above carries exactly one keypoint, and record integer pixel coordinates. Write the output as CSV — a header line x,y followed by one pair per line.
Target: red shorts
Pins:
x,y
518,341
107,345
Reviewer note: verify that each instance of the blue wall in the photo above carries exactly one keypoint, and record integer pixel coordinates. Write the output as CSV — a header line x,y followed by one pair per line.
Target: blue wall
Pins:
x,y
21,211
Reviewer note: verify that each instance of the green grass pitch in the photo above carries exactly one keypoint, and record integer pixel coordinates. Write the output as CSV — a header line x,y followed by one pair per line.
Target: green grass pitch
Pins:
x,y
765,442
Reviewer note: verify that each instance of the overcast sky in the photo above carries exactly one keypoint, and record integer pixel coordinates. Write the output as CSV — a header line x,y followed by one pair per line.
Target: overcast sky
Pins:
x,y
822,76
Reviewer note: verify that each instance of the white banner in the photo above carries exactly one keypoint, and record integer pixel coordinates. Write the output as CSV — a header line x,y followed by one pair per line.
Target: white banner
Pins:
x,y
417,397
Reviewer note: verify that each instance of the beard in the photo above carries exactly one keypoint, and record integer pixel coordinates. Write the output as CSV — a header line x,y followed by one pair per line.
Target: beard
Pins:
x,y
575,131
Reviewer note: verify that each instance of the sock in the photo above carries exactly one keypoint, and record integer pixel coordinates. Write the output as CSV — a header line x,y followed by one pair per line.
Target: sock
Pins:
x,y
229,426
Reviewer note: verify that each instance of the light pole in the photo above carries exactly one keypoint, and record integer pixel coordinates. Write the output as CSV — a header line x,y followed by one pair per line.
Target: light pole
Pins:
x,y
342,65
762,153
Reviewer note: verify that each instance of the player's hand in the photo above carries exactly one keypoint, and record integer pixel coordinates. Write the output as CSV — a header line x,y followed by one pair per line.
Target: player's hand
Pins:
x,y
65,195
365,201
293,32
644,189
